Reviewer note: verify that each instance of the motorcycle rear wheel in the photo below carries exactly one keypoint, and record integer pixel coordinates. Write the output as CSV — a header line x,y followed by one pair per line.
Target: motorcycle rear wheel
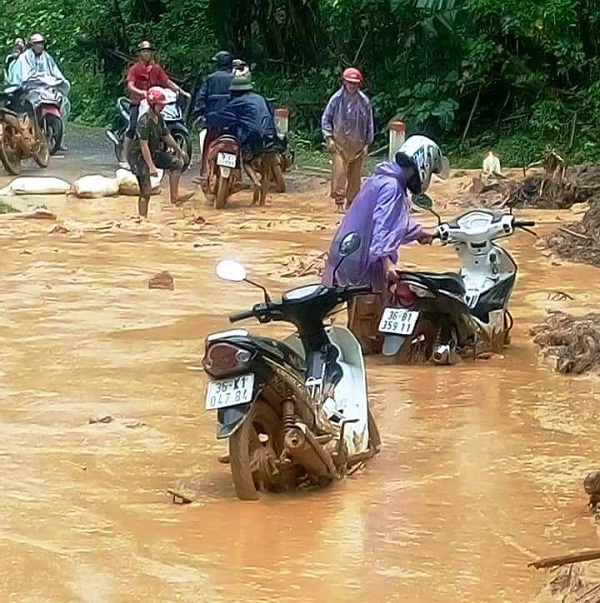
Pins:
x,y
222,192
8,155
246,448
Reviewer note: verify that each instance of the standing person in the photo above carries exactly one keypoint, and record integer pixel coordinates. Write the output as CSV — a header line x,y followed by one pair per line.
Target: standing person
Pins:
x,y
213,96
347,126
146,73
380,214
146,156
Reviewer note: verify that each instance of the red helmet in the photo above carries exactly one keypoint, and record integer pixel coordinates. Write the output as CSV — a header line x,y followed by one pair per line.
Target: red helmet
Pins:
x,y
156,96
352,75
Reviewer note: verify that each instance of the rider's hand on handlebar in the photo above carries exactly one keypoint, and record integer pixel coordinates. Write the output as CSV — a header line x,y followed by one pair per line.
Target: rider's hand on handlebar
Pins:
x,y
426,237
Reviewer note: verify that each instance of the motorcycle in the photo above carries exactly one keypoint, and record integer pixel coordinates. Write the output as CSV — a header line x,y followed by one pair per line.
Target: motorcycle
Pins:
x,y
439,316
175,114
296,411
21,135
46,96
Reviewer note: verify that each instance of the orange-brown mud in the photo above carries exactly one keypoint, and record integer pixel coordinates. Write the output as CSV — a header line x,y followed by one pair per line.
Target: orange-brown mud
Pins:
x,y
479,474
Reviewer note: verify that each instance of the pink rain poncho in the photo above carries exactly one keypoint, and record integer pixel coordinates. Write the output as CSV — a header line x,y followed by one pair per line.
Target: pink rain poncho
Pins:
x,y
380,214
348,118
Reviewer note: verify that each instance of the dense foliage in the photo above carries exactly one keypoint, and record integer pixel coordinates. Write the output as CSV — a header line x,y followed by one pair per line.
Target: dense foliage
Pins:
x,y
473,73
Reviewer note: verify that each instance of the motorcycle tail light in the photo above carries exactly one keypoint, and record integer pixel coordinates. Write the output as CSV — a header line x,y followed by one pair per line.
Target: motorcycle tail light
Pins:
x,y
403,294
222,359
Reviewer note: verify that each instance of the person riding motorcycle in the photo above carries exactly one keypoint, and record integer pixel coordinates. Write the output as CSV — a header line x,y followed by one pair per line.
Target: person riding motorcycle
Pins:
x,y
146,73
213,96
380,214
36,64
248,118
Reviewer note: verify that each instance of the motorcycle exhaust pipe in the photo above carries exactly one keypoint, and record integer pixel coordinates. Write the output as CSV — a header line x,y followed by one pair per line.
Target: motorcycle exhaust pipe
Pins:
x,y
305,450
441,354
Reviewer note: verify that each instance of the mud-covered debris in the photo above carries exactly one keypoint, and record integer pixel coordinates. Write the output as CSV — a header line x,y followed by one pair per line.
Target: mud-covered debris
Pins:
x,y
180,496
134,424
301,265
197,221
558,296
591,485
162,280
59,229
39,213
101,419
574,583
572,341
579,242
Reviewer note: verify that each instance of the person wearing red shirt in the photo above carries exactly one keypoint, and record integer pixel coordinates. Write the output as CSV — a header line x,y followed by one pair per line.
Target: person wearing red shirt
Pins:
x,y
141,76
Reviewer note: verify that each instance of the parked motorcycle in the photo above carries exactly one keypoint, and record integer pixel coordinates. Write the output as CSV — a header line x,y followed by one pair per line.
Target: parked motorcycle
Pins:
x,y
175,114
295,411
21,135
440,316
46,96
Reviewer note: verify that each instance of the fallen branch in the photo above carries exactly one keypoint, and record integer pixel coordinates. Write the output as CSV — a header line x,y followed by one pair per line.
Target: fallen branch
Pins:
x,y
565,559
573,233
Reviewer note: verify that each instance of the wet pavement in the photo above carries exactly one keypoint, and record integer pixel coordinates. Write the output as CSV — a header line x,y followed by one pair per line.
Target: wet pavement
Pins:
x,y
481,468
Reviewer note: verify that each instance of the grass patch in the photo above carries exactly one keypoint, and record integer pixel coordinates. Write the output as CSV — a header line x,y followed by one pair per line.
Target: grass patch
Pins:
x,y
7,208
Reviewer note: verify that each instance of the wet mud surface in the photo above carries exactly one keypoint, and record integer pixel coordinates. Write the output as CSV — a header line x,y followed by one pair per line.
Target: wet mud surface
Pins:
x,y
481,466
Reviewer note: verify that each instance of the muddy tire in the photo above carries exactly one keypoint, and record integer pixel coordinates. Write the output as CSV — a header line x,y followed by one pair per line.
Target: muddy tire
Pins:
x,y
374,437
277,179
42,154
182,138
245,446
8,157
222,193
53,130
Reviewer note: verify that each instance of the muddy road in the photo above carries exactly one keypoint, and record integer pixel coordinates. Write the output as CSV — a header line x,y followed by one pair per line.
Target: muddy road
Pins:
x,y
481,467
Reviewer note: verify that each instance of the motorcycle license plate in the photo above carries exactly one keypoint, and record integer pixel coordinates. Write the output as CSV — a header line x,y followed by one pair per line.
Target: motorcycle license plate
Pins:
x,y
398,322
229,392
226,159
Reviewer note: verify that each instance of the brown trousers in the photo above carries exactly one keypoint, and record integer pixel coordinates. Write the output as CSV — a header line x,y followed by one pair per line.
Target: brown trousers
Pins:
x,y
345,177
364,313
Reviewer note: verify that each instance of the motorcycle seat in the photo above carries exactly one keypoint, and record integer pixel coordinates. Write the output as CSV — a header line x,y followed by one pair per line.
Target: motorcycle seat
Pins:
x,y
448,281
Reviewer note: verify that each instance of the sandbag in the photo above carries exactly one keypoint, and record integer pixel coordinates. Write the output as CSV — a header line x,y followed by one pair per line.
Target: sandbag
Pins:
x,y
94,186
36,185
128,184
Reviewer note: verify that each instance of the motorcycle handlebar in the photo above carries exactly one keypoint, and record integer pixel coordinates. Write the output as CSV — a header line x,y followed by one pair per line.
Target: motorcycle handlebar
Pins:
x,y
524,223
359,289
241,316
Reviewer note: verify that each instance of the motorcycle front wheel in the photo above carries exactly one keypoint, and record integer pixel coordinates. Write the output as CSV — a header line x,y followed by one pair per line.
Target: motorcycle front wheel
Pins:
x,y
8,155
260,435
53,129
182,138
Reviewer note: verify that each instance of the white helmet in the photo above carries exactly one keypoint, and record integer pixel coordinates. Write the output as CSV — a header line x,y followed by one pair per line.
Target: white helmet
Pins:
x,y
425,156
37,38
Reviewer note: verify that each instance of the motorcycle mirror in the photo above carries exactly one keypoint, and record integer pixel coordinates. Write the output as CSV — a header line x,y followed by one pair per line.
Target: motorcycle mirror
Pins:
x,y
425,202
229,270
349,244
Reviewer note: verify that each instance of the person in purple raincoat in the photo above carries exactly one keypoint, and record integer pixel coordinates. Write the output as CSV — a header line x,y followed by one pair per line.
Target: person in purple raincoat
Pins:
x,y
380,214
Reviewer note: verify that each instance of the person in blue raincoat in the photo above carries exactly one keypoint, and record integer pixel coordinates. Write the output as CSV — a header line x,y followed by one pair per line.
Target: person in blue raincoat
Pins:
x,y
36,64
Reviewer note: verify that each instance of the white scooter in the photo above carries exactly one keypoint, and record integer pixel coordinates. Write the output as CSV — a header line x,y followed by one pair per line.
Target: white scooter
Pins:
x,y
296,411
436,316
